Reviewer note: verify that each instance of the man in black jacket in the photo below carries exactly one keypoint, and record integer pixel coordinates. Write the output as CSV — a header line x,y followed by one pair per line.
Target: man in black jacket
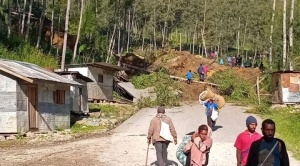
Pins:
x,y
268,151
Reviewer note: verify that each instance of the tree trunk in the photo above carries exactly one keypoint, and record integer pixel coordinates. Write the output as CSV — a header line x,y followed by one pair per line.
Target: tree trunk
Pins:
x,y
1,5
24,16
52,20
63,58
78,32
238,37
41,24
58,31
111,42
291,24
194,37
271,34
179,41
9,19
202,30
28,20
20,16
128,32
284,36
154,35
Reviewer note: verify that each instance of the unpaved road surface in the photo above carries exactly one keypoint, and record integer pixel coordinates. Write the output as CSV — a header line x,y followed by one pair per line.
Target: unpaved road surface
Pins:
x,y
126,145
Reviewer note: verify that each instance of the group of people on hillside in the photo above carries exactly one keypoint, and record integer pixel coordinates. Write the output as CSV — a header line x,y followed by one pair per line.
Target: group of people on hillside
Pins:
x,y
252,149
202,72
235,61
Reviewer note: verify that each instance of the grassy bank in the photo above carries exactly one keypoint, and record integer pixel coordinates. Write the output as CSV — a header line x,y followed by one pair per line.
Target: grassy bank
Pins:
x,y
287,128
164,87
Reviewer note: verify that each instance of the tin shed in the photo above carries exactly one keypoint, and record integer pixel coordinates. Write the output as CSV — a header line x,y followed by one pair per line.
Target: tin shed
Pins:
x,y
285,87
102,75
32,98
79,95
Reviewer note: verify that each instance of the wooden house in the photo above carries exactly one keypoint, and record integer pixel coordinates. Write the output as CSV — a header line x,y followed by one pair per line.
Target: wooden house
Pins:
x,y
78,94
286,87
32,98
102,75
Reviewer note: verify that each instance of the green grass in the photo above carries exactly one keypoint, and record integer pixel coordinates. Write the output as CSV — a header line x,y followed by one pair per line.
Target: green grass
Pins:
x,y
77,128
287,128
287,125
164,87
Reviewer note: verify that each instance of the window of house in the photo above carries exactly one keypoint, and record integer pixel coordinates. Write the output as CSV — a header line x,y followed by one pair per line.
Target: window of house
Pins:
x,y
100,78
59,97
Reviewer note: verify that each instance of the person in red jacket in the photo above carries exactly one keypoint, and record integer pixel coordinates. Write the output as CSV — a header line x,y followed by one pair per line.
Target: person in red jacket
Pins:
x,y
244,141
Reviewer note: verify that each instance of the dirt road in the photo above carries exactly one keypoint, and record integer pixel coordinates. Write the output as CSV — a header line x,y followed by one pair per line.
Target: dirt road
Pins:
x,y
126,145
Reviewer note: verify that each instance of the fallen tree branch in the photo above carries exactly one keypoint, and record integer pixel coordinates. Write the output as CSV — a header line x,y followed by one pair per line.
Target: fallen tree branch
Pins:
x,y
184,79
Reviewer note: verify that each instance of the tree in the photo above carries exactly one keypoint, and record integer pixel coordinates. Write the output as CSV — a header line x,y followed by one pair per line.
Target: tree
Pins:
x,y
78,33
63,58
41,24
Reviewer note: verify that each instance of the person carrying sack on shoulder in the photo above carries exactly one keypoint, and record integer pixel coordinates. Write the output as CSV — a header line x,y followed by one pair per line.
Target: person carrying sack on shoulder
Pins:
x,y
162,132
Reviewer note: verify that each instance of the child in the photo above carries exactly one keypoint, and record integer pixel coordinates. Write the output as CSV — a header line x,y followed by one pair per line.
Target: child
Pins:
x,y
189,76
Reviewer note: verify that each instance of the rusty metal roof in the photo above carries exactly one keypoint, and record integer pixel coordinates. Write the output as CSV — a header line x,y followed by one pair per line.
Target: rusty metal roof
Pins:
x,y
32,73
101,65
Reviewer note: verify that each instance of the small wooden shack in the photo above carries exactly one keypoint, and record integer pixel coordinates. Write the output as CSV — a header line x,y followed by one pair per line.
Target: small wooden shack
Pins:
x,y
286,87
32,98
102,75
78,94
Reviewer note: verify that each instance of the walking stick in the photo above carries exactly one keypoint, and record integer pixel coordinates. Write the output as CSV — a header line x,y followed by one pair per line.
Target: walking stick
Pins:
x,y
147,154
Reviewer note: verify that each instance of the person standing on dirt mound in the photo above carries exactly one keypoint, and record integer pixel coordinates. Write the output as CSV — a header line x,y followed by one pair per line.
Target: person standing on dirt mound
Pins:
x,y
268,151
155,131
201,73
189,76
210,107
244,141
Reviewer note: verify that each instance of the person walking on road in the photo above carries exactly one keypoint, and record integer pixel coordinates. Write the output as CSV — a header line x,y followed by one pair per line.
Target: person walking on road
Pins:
x,y
201,144
210,107
160,143
268,151
245,139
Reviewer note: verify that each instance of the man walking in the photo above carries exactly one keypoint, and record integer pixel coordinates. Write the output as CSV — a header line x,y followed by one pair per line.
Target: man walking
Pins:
x,y
210,107
244,141
268,151
160,143
201,73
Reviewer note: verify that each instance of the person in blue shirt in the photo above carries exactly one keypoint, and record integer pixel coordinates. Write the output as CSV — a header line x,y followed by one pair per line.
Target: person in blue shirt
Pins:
x,y
221,61
210,106
189,76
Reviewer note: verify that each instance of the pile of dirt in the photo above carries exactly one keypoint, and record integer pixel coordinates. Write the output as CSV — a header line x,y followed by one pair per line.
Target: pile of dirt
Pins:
x,y
178,63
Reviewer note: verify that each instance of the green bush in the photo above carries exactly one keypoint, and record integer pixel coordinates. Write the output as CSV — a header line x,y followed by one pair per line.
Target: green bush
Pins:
x,y
164,87
234,87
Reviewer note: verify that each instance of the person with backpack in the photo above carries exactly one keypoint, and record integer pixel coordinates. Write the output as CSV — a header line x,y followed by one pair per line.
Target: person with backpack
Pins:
x,y
245,139
210,107
155,134
268,151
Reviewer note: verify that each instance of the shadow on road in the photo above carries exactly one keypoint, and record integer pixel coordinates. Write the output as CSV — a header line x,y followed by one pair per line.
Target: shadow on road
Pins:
x,y
170,162
217,127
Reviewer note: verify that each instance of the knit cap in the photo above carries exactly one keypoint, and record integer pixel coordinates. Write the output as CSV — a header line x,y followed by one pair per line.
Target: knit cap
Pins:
x,y
250,120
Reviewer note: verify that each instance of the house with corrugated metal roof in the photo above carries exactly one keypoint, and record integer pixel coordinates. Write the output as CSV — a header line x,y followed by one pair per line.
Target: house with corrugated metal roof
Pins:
x,y
33,98
102,75
78,94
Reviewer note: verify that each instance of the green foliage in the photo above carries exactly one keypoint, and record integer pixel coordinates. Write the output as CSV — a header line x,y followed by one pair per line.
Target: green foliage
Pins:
x,y
164,87
234,87
288,127
29,54
78,128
